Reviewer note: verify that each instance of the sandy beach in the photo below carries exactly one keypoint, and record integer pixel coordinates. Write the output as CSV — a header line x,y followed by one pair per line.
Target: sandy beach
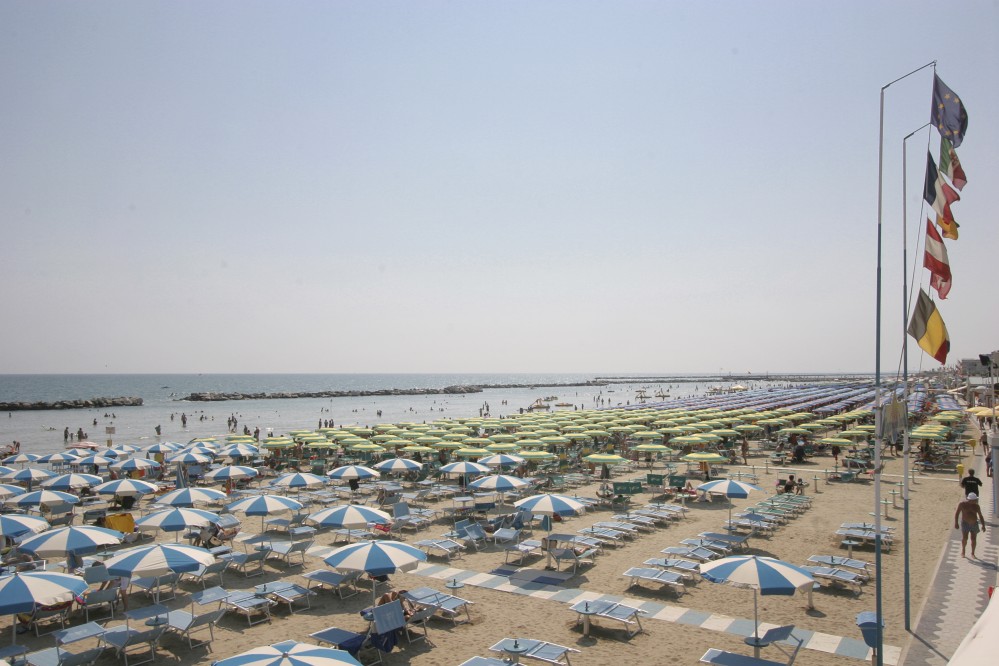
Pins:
x,y
497,614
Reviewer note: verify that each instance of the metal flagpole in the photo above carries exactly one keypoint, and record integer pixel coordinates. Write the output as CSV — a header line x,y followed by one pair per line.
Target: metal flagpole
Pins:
x,y
877,378
905,386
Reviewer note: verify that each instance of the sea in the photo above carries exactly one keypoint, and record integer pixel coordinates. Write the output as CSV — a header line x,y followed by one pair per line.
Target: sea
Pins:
x,y
41,431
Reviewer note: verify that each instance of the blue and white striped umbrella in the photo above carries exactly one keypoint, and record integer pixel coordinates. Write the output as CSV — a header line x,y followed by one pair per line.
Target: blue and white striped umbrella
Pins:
x,y
42,497
126,487
7,490
158,560
298,480
4,471
349,516
240,450
163,447
377,558
16,524
175,520
290,653
464,467
347,472
728,488
188,497
764,574
80,539
96,459
30,475
231,473
126,449
264,505
500,483
398,465
20,592
135,465
72,481
61,457
548,504
21,458
501,460
191,458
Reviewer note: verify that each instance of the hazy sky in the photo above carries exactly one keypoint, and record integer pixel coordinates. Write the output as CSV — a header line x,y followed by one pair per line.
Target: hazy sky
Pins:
x,y
480,186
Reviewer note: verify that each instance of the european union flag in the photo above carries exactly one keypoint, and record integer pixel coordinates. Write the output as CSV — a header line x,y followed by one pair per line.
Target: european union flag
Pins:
x,y
948,114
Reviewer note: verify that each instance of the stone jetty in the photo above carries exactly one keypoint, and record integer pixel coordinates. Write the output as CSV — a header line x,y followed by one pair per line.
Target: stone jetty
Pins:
x,y
91,403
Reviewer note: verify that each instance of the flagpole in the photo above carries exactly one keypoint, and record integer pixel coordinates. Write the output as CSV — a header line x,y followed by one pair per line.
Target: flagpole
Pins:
x,y
877,376
905,385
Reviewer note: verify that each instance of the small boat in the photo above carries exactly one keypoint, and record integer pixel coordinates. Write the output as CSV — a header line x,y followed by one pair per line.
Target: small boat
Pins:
x,y
564,404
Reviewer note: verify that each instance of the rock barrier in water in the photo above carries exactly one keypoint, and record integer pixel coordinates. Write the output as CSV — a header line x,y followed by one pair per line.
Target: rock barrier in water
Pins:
x,y
99,403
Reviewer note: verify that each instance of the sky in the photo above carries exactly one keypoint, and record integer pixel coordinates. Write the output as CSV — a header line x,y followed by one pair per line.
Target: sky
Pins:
x,y
483,186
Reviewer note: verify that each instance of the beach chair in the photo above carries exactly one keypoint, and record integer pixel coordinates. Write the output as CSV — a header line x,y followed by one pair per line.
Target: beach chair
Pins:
x,y
449,549
665,578
388,618
334,580
349,535
448,606
484,661
645,523
611,610
285,592
837,577
699,554
55,615
95,574
249,605
285,524
474,535
289,550
505,535
522,550
201,574
551,653
753,526
608,536
401,511
857,566
772,637
866,537
249,564
348,641
620,526
186,625
127,641
717,546
57,656
157,586
735,541
688,570
94,599
572,555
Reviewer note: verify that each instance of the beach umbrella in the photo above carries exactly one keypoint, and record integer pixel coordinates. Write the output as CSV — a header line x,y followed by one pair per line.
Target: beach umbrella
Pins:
x,y
231,473
550,504
347,472
349,516
135,465
376,558
21,592
536,455
500,483
765,575
42,497
126,487
175,520
71,481
80,539
652,448
189,458
21,458
704,457
61,457
164,448
158,559
7,490
502,447
4,471
290,653
501,460
188,497
464,468
239,451
30,475
15,524
264,505
604,459
96,459
298,481
729,488
399,465
414,448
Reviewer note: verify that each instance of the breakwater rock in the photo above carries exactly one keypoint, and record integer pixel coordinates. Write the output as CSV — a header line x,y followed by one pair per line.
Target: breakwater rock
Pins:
x,y
91,403
212,396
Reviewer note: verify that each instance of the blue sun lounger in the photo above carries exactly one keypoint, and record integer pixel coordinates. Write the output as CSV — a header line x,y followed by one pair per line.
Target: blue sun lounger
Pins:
x,y
699,554
611,610
541,650
665,578
687,569
857,566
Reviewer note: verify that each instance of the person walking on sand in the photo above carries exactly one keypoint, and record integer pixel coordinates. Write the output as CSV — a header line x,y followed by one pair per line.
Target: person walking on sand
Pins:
x,y
970,514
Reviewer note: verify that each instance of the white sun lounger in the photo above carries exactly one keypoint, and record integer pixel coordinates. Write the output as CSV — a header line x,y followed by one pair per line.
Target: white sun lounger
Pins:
x,y
699,554
610,610
666,578
719,546
687,569
736,541
551,653
857,566
837,577
334,580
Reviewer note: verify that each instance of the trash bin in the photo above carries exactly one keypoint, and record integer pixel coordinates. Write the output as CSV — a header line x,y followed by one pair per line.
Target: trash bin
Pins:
x,y
868,623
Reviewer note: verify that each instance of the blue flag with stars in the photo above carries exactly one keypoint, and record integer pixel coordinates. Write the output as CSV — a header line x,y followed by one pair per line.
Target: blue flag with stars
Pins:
x,y
948,114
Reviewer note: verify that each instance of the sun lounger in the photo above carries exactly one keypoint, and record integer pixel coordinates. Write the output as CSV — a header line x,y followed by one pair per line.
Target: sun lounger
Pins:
x,y
158,586
610,536
752,526
659,518
449,549
289,549
185,624
448,606
627,528
687,569
202,573
771,638
348,641
352,535
285,592
866,537
610,610
666,578
534,649
736,541
577,557
505,535
57,656
645,523
522,550
250,564
699,554
857,566
886,529
123,639
334,580
484,661
837,577
719,546
250,605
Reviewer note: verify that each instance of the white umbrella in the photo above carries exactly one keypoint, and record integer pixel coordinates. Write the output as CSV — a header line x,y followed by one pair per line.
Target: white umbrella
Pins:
x,y
188,497
290,653
73,539
126,487
350,516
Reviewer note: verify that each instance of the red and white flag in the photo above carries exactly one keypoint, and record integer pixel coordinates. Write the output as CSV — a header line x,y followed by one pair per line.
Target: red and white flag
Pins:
x,y
936,261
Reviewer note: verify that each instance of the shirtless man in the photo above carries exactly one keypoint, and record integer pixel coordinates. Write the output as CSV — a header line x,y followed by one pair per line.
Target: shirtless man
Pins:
x,y
970,515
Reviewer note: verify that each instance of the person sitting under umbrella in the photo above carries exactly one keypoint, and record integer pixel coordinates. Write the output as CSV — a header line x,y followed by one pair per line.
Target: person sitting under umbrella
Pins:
x,y
407,606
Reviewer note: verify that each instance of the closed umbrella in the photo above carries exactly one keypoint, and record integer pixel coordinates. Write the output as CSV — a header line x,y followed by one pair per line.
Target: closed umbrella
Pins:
x,y
290,653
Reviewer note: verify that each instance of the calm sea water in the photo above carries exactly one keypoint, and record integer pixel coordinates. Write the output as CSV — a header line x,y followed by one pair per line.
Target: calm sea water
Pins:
x,y
42,431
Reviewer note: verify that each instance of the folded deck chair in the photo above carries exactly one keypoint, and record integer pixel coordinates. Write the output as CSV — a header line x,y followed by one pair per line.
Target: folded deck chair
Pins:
x,y
688,570
611,610
699,554
666,578
448,606
348,641
334,580
551,653
857,566
447,548
837,577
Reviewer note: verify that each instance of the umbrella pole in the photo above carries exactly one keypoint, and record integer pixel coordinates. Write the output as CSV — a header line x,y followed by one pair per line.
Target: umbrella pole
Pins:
x,y
756,628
